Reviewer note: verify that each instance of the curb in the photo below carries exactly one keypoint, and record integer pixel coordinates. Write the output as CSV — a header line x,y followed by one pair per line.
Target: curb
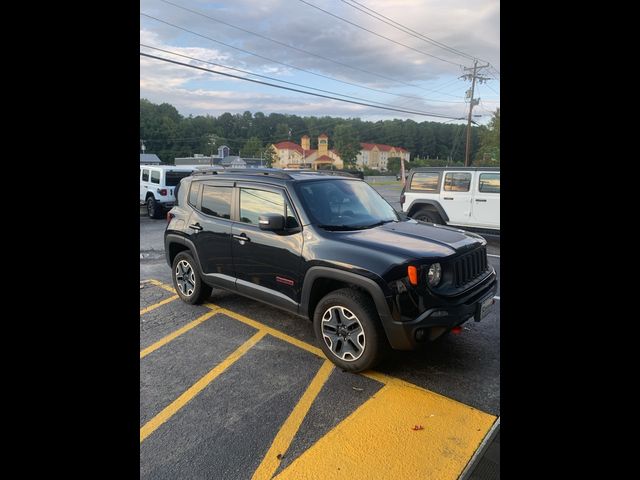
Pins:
x,y
477,456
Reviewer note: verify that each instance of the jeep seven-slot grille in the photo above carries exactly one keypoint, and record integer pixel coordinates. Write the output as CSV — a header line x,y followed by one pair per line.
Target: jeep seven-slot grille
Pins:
x,y
469,266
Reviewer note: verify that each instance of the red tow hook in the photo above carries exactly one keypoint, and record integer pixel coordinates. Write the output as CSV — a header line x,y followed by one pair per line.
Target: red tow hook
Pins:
x,y
456,330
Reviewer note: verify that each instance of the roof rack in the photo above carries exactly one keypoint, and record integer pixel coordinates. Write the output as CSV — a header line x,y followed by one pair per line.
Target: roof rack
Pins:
x,y
270,172
326,172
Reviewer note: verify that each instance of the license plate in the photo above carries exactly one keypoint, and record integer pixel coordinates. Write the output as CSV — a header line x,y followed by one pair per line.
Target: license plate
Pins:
x,y
485,308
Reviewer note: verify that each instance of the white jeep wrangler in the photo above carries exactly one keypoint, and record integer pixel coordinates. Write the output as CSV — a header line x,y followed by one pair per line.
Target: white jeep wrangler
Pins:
x,y
467,197
157,186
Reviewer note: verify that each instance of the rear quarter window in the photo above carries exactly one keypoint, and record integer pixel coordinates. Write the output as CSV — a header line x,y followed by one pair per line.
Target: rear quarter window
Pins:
x,y
425,182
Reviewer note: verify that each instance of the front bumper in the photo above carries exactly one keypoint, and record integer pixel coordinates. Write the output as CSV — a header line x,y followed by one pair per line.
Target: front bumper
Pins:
x,y
435,321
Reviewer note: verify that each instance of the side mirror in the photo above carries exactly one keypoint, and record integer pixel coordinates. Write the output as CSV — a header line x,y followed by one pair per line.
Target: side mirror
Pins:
x,y
271,222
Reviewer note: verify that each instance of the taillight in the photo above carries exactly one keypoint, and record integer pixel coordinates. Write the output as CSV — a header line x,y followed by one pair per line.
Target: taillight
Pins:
x,y
170,216
162,191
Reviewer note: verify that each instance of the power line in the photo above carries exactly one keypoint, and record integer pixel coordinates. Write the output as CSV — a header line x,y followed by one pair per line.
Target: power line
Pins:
x,y
283,63
263,76
294,48
436,115
381,36
413,33
407,30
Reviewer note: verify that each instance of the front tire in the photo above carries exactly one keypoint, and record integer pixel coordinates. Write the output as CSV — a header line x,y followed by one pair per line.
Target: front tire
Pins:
x,y
348,328
187,281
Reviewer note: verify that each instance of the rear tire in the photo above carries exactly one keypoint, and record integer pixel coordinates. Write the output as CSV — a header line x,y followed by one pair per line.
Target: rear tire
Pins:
x,y
154,209
187,281
428,216
348,328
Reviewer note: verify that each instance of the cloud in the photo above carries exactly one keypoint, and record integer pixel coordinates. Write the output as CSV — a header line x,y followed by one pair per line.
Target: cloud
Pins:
x,y
467,25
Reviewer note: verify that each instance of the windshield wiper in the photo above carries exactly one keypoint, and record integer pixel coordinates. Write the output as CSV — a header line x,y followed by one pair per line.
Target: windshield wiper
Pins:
x,y
339,227
354,227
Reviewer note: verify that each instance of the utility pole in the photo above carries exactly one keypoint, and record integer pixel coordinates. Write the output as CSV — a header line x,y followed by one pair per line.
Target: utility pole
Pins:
x,y
472,101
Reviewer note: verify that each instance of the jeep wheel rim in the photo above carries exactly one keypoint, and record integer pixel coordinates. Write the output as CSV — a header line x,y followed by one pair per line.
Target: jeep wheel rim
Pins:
x,y
343,333
150,208
185,278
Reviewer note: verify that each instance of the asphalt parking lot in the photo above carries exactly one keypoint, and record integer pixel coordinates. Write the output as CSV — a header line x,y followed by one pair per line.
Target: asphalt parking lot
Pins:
x,y
237,389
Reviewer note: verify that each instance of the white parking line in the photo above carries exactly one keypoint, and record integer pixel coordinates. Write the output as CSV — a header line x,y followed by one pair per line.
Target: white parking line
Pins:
x,y
496,297
490,255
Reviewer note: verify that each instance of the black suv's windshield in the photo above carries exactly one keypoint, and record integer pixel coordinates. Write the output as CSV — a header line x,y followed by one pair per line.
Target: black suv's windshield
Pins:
x,y
342,204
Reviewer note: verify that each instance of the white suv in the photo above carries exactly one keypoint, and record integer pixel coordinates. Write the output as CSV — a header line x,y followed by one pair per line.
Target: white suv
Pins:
x,y
465,197
157,185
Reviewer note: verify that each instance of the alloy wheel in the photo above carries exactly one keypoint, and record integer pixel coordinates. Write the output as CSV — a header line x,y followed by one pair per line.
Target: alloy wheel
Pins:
x,y
185,278
343,333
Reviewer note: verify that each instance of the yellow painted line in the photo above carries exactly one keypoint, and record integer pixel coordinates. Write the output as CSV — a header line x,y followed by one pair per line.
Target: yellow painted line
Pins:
x,y
168,288
159,304
290,427
197,387
177,333
377,376
269,330
378,440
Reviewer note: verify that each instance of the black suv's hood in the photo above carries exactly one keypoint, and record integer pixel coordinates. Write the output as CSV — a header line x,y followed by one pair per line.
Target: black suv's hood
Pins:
x,y
412,239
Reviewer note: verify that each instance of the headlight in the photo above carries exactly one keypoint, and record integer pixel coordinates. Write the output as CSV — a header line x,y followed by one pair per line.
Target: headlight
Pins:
x,y
434,274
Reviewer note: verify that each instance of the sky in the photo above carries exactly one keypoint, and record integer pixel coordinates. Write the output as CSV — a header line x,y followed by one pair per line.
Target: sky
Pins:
x,y
420,75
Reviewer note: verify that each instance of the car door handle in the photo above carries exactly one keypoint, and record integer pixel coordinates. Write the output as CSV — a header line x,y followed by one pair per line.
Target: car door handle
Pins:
x,y
480,200
196,226
448,198
242,237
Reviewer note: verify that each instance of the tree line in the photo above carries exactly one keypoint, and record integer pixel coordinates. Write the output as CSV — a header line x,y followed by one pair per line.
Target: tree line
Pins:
x,y
169,134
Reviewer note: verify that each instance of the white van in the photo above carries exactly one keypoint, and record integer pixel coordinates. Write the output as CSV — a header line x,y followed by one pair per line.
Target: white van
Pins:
x,y
157,185
458,196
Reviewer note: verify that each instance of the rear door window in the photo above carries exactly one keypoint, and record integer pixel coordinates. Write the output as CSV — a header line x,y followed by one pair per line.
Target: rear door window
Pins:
x,y
145,175
216,201
457,182
489,183
155,176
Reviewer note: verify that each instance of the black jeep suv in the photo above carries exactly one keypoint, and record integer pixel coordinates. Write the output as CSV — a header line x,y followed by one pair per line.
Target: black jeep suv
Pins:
x,y
330,249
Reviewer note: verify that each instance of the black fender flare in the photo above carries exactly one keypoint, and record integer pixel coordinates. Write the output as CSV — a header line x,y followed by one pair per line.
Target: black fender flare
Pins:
x,y
365,283
418,203
179,239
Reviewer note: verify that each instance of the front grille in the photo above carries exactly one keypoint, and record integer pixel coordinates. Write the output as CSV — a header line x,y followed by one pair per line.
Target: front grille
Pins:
x,y
469,266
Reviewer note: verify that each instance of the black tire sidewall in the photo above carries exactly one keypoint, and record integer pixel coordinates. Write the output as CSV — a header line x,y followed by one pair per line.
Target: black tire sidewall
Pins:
x,y
201,291
426,216
157,208
363,308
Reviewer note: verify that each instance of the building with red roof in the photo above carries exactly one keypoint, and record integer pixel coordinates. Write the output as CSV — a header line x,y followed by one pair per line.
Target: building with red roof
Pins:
x,y
372,155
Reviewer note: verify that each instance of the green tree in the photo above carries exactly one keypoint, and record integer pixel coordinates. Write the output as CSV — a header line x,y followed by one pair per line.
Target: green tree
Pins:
x,y
252,147
393,165
268,156
489,151
346,145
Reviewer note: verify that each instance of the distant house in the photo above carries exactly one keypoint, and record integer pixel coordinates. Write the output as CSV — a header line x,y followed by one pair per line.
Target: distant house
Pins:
x,y
149,159
291,155
372,155
377,155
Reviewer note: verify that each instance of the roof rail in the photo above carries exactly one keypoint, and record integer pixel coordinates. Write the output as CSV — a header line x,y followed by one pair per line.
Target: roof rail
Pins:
x,y
259,171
